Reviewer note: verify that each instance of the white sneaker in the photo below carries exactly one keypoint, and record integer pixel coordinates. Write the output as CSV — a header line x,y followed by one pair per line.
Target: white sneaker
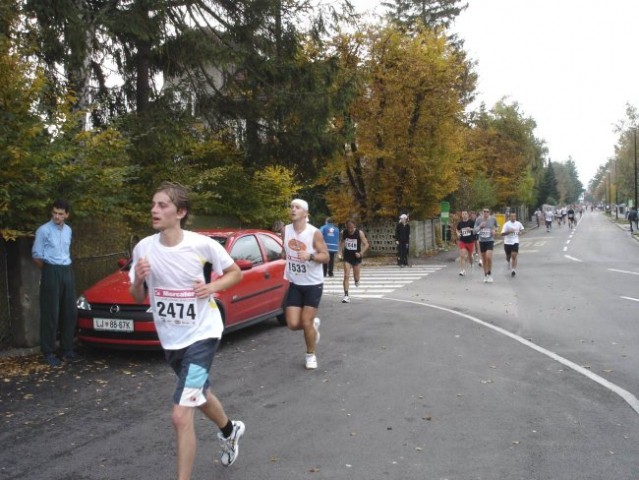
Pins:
x,y
346,299
462,273
485,278
231,445
316,325
311,361
480,264
490,278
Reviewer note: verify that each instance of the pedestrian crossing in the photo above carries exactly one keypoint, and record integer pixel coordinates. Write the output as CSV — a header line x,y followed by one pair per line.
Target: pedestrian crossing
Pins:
x,y
378,281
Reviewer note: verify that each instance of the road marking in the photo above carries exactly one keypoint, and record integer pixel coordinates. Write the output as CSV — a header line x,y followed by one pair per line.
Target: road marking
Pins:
x,y
573,258
630,399
630,298
623,271
376,282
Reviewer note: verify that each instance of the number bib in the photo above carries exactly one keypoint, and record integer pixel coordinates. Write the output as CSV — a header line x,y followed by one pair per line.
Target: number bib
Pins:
x,y
485,233
296,268
177,307
350,244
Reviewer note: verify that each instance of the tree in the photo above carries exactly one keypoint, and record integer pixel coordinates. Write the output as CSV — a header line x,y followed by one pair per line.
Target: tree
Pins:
x,y
43,160
568,184
431,13
408,131
548,191
502,146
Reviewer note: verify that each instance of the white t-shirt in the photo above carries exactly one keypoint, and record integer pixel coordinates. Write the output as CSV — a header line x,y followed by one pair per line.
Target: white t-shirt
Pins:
x,y
181,318
298,271
513,229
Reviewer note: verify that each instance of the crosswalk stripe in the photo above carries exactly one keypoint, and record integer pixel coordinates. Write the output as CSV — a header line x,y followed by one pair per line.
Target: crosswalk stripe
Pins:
x,y
376,282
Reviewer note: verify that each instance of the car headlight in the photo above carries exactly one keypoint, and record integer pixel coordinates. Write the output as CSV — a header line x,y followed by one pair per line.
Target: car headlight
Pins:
x,y
82,303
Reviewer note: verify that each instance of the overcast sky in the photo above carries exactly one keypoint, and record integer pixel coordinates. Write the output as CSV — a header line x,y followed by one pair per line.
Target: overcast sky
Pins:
x,y
571,65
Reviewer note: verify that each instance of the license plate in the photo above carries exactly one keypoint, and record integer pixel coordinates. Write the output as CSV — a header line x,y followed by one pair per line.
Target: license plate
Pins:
x,y
113,325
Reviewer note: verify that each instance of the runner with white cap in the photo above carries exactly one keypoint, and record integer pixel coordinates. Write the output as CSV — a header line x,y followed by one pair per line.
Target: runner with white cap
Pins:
x,y
305,251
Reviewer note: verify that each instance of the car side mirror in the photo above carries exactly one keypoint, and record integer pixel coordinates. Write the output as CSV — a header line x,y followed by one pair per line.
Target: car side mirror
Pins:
x,y
244,264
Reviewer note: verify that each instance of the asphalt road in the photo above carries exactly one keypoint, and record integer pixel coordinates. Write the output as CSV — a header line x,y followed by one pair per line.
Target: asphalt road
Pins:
x,y
436,377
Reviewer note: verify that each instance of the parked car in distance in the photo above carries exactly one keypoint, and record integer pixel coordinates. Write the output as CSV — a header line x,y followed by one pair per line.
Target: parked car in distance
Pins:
x,y
108,316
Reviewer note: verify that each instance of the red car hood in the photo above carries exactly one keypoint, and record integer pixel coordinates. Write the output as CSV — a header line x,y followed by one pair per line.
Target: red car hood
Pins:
x,y
111,289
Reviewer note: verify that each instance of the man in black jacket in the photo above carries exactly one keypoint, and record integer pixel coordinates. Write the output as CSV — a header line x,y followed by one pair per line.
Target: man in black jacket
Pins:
x,y
402,236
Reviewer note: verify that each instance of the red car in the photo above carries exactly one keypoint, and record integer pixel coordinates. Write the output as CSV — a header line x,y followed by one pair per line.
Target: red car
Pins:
x,y
108,316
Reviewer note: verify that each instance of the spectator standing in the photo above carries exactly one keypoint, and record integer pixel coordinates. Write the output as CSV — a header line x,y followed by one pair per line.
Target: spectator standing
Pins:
x,y
51,252
304,251
168,267
278,227
402,237
331,237
633,218
537,216
353,244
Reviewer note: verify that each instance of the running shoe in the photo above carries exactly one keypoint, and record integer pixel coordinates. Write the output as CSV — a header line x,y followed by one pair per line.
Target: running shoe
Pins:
x,y
485,278
512,274
489,278
357,283
52,360
316,325
346,299
462,273
231,445
311,361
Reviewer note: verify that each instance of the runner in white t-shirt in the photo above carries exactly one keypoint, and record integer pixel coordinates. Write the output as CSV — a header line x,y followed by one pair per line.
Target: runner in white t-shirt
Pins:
x,y
511,231
304,251
169,267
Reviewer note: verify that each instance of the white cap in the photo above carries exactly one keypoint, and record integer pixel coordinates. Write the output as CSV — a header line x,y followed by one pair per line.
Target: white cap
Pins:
x,y
403,216
303,204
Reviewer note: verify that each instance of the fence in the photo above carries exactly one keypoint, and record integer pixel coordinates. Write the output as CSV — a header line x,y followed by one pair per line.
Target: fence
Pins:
x,y
89,270
425,237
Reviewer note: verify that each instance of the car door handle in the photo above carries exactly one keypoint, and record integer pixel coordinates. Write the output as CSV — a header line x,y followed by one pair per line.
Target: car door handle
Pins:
x,y
267,275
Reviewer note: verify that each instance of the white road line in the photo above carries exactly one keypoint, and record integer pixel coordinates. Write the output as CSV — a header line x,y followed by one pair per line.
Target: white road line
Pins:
x,y
377,282
630,298
623,271
626,395
573,258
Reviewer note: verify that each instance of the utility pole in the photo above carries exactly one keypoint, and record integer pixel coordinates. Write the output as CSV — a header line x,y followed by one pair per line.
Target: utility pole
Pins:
x,y
635,136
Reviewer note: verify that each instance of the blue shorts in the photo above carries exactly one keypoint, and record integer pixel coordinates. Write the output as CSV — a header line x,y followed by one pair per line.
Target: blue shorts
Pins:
x,y
192,365
304,295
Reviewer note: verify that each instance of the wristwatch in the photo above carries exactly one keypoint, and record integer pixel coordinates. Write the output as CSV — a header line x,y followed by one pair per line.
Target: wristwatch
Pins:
x,y
311,258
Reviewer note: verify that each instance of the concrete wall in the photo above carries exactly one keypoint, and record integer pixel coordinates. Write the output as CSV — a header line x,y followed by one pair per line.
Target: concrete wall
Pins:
x,y
425,236
24,293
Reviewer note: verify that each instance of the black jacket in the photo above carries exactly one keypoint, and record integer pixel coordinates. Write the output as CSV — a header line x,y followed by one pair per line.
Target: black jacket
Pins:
x,y
402,232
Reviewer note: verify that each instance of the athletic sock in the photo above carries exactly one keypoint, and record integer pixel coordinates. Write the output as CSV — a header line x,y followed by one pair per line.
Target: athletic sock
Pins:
x,y
227,430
